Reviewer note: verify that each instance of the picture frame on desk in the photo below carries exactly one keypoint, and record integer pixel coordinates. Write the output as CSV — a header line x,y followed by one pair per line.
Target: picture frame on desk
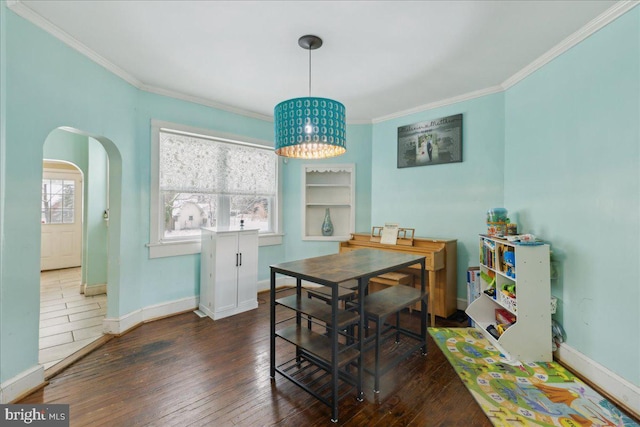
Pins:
x,y
432,142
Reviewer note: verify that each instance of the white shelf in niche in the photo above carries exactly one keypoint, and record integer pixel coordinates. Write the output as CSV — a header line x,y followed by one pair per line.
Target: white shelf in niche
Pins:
x,y
329,204
328,187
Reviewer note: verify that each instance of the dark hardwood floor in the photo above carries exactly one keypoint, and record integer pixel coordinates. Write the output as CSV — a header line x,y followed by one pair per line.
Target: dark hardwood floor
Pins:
x,y
185,370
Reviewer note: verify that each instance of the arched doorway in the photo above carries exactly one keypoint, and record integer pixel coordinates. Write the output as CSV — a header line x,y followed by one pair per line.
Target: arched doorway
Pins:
x,y
81,294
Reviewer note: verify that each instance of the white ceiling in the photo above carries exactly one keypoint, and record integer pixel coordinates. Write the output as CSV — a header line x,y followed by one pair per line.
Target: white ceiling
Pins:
x,y
379,58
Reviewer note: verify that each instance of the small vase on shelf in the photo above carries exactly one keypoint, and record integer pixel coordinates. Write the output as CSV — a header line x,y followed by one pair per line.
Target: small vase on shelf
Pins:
x,y
327,225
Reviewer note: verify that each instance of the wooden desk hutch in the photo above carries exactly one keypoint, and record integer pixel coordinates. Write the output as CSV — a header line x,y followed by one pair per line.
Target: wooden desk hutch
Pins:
x,y
441,256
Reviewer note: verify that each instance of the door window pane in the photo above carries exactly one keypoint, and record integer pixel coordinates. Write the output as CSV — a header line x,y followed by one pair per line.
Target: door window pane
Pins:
x,y
57,205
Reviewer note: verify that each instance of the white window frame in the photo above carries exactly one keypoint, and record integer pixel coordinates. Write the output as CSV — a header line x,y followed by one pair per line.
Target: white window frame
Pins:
x,y
160,247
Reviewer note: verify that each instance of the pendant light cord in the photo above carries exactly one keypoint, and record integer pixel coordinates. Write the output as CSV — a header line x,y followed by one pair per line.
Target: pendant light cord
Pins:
x,y
309,72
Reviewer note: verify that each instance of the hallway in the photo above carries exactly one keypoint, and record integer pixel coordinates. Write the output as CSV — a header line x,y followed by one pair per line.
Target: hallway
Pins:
x,y
69,321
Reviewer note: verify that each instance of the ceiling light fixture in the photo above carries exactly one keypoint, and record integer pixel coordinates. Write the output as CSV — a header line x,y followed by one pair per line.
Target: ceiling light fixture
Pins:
x,y
309,128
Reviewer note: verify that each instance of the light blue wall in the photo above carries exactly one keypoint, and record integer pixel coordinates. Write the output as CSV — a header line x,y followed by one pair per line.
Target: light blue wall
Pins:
x,y
48,85
572,171
449,200
69,147
3,180
45,85
359,153
95,205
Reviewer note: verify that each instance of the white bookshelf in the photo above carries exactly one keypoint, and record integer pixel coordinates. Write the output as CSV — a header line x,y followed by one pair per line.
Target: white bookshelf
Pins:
x,y
529,338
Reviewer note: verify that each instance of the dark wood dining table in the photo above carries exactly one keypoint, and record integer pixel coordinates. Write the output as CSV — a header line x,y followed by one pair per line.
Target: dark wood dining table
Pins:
x,y
332,271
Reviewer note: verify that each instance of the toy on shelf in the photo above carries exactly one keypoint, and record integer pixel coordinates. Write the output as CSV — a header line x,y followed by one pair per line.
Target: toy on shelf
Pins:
x,y
509,290
496,221
499,224
509,267
490,280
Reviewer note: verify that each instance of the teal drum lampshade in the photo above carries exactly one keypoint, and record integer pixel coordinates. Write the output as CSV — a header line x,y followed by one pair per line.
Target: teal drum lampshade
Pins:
x,y
310,128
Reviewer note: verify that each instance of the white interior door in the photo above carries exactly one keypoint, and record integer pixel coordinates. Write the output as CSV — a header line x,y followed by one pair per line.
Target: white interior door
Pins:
x,y
61,218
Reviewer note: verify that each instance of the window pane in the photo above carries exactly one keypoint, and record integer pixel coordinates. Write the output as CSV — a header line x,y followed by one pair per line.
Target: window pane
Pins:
x,y
254,211
56,216
56,187
209,182
67,201
67,216
57,205
46,195
186,213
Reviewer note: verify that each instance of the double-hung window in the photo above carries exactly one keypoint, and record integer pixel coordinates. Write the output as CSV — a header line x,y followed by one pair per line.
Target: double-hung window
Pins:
x,y
201,179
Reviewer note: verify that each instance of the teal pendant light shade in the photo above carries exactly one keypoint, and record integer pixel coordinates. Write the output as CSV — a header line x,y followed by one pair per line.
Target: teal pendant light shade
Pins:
x,y
310,127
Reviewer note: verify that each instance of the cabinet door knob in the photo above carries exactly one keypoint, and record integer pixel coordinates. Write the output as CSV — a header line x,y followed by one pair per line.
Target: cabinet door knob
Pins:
x,y
241,258
237,259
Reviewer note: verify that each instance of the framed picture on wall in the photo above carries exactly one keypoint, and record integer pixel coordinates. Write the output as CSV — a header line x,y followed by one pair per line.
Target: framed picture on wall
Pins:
x,y
433,142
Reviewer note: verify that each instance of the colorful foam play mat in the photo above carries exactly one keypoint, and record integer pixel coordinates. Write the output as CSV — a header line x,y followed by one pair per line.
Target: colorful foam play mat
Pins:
x,y
523,394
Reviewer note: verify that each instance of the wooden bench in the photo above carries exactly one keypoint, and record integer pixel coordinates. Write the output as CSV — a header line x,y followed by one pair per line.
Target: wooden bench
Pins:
x,y
346,291
383,281
382,304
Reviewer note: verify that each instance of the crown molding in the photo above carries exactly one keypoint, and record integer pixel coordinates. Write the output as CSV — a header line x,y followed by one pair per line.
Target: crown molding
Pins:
x,y
442,103
359,122
30,15
206,102
593,26
617,10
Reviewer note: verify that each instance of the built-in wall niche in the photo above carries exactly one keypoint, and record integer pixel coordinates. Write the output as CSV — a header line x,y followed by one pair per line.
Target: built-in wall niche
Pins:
x,y
329,187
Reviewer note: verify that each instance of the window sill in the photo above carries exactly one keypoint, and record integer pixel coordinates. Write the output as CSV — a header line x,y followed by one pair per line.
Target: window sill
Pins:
x,y
190,247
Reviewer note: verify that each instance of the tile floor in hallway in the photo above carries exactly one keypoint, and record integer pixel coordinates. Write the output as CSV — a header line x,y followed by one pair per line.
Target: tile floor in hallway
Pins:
x,y
68,319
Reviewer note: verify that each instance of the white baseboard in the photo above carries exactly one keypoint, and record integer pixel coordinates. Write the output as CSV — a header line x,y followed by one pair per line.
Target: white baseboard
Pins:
x,y
461,304
265,285
21,384
117,326
619,388
97,289
167,309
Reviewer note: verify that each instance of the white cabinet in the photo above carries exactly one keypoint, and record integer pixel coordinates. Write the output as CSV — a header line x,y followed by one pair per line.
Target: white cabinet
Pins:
x,y
328,188
228,272
529,338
